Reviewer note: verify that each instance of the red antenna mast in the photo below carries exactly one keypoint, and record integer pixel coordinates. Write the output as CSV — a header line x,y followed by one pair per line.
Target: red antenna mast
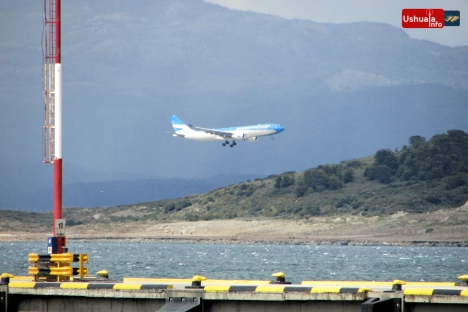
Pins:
x,y
53,106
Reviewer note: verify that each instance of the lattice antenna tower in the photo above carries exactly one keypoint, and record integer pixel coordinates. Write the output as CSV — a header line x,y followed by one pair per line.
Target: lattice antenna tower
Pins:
x,y
52,81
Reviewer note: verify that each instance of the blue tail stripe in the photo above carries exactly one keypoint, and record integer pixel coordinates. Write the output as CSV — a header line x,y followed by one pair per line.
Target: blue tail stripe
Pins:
x,y
175,120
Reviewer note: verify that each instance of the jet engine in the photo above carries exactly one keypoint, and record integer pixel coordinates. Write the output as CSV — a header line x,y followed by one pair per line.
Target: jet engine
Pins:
x,y
251,139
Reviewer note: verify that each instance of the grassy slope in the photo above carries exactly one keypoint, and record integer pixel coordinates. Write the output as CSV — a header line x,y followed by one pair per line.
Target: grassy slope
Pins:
x,y
263,198
260,199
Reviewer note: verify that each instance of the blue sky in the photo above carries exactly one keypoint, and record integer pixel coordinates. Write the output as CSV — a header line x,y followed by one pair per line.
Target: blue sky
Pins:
x,y
346,11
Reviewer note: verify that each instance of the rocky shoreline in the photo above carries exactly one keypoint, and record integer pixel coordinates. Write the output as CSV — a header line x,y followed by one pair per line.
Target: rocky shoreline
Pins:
x,y
229,241
274,242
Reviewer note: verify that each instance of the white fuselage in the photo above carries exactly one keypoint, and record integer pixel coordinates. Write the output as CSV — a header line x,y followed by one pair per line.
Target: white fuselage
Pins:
x,y
200,135
247,133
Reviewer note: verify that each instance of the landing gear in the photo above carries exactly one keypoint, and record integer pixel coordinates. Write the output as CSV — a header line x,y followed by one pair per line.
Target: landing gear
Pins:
x,y
230,145
272,136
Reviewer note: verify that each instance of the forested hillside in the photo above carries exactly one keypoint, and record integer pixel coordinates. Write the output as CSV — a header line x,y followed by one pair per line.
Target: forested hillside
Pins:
x,y
425,175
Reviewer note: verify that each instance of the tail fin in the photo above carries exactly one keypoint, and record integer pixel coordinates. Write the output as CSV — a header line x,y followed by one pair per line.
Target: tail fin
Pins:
x,y
180,128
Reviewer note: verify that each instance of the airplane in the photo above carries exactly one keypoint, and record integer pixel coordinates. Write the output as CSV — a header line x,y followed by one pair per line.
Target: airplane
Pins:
x,y
246,133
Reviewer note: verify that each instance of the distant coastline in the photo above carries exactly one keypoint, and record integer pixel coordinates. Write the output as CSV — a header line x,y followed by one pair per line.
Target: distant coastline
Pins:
x,y
228,241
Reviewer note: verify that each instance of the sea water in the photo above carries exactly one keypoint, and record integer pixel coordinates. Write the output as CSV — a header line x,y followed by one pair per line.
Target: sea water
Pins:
x,y
258,262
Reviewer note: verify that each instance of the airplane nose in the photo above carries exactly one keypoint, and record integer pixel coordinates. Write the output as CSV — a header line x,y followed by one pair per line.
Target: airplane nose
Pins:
x,y
279,129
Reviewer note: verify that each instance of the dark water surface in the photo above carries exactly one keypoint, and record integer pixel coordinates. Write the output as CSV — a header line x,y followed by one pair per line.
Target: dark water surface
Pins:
x,y
220,261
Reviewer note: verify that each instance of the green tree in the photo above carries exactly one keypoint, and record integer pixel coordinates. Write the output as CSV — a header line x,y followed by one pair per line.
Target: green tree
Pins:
x,y
316,179
442,156
417,141
387,158
384,167
383,174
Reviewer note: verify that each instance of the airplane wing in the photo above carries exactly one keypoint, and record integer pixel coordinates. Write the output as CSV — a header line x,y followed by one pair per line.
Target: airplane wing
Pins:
x,y
223,134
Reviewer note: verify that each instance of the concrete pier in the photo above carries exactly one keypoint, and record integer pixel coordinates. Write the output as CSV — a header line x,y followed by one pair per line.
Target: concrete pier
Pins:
x,y
221,295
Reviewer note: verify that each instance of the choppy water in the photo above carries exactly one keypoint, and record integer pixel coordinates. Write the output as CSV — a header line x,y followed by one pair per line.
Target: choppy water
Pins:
x,y
219,261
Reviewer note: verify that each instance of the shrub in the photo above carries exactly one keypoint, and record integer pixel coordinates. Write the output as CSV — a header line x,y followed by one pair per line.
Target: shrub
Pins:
x,y
301,191
348,176
354,164
207,216
334,183
73,223
169,207
383,174
455,181
191,217
433,199
287,181
278,182
344,201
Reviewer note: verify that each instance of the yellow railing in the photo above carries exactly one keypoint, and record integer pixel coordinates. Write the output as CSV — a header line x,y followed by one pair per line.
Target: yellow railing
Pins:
x,y
57,266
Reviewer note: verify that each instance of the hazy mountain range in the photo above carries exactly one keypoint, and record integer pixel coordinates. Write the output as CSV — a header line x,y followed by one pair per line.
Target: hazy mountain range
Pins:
x,y
341,90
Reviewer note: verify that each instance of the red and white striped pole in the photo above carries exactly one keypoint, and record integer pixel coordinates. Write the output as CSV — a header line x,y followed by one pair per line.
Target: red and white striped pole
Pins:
x,y
61,240
58,119
53,114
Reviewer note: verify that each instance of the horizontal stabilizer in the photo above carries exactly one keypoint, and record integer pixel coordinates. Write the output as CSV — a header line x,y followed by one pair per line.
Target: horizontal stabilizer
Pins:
x,y
176,134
